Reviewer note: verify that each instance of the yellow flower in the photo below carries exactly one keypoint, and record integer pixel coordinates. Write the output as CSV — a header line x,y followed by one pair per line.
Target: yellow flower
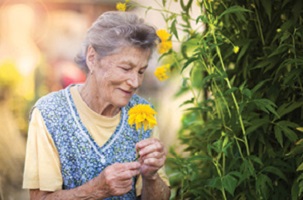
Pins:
x,y
236,49
126,1
121,6
161,72
163,35
142,115
164,47
9,75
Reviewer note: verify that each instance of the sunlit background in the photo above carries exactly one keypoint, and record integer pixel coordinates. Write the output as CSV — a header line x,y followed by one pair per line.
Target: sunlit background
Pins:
x,y
38,42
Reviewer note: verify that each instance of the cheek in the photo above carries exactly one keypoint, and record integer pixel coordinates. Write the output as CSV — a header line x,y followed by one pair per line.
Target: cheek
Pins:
x,y
141,79
112,78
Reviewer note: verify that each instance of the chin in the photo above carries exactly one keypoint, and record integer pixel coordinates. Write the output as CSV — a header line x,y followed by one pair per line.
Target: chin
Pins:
x,y
122,102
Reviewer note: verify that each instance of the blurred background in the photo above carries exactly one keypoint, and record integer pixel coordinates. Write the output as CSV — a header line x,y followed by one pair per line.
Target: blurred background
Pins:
x,y
38,42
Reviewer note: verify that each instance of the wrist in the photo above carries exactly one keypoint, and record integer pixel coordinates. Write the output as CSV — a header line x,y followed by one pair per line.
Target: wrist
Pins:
x,y
95,190
151,177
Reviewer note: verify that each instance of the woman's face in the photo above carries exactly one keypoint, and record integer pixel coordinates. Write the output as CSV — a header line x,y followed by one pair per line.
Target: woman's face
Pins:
x,y
118,76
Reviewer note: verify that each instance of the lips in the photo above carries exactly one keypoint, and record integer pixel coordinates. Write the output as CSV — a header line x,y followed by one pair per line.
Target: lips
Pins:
x,y
127,92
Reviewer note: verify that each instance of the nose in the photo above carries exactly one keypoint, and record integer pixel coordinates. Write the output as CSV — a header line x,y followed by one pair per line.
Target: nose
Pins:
x,y
134,80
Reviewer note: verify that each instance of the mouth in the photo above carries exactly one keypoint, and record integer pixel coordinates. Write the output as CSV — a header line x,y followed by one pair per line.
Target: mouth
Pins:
x,y
127,92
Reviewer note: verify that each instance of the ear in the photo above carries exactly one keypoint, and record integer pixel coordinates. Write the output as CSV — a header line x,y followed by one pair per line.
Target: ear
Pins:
x,y
91,56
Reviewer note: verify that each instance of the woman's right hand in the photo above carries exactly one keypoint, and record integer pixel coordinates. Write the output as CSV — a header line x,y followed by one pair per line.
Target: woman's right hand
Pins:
x,y
116,179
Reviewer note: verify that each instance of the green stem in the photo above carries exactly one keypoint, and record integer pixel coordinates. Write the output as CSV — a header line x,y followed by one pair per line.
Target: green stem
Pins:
x,y
140,138
163,9
259,26
295,56
220,174
191,88
232,94
155,9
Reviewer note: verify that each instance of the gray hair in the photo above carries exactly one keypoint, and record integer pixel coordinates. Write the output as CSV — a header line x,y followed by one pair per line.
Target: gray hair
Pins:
x,y
114,30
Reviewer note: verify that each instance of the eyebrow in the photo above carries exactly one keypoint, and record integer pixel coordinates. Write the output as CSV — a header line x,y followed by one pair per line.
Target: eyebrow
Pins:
x,y
133,65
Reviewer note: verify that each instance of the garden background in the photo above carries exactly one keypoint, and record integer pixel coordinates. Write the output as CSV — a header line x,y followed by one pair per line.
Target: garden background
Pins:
x,y
229,103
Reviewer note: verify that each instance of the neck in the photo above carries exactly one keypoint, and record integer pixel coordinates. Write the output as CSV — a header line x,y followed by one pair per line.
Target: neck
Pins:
x,y
94,101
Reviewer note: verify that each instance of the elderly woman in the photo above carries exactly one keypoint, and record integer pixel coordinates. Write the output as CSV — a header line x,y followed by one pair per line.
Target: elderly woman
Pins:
x,y
80,145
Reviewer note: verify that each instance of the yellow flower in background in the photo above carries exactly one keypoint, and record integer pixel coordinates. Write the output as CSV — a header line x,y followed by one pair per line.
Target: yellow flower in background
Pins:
x,y
121,6
163,35
142,115
164,47
9,75
127,1
166,44
236,49
161,72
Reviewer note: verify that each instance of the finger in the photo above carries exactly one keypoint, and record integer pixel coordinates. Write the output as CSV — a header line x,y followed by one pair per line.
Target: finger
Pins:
x,y
155,147
122,171
148,169
146,142
158,163
129,170
127,175
154,154
126,166
121,187
123,183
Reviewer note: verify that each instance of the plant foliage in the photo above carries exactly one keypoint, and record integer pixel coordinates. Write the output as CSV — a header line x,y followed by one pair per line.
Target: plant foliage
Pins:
x,y
243,124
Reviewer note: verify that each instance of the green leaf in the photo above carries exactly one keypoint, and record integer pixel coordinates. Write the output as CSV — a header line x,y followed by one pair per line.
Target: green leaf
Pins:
x,y
287,128
266,105
299,129
267,7
255,124
278,135
297,10
287,25
292,76
229,183
300,168
247,93
243,49
174,29
279,51
191,101
187,6
295,191
188,62
286,108
297,150
208,79
275,171
214,183
233,9
203,19
247,168
264,183
196,76
148,9
231,90
264,63
260,85
256,159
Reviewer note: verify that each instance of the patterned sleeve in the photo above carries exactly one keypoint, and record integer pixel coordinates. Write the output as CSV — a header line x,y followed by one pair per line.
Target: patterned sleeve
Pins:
x,y
42,166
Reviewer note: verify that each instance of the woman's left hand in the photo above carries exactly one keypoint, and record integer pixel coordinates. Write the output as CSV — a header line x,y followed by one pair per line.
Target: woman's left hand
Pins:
x,y
152,157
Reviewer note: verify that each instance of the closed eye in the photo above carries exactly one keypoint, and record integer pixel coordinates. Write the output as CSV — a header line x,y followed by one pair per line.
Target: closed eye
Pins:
x,y
142,70
125,68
